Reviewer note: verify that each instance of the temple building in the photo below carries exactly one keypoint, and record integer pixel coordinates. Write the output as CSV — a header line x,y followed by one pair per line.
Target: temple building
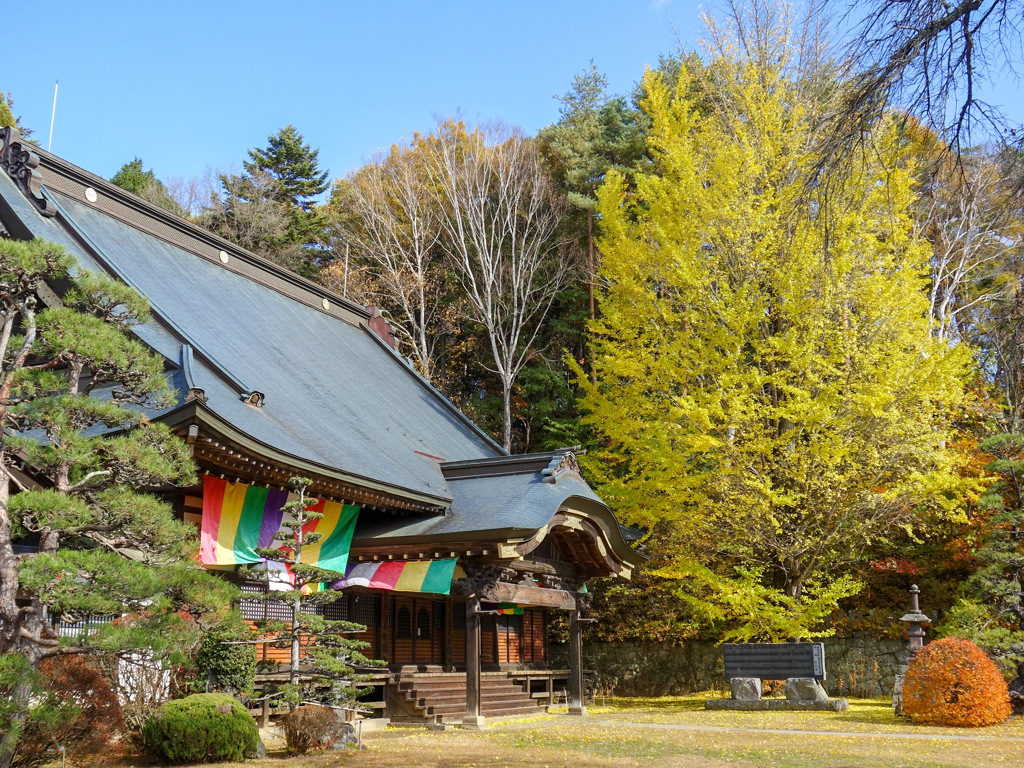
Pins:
x,y
456,555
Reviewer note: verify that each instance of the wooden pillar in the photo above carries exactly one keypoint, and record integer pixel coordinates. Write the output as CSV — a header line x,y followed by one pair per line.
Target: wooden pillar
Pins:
x,y
576,706
265,712
447,655
473,718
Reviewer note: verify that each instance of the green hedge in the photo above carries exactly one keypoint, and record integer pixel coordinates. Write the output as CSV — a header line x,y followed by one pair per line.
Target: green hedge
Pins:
x,y
203,728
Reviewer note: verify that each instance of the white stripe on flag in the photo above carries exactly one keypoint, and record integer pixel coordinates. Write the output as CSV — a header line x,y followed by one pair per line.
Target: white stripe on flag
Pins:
x,y
361,574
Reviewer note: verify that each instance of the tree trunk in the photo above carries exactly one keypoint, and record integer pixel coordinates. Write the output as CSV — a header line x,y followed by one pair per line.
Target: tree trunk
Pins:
x,y
293,675
506,396
20,699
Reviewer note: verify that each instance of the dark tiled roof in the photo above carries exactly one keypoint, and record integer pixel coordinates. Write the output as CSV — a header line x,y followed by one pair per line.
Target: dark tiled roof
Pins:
x,y
334,394
512,504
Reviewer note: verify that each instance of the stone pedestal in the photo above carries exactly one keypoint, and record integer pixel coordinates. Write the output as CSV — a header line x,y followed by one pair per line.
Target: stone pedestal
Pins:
x,y
474,722
745,688
804,689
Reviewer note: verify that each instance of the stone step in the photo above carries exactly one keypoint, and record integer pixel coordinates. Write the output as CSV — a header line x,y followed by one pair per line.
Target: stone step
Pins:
x,y
487,691
485,699
503,682
446,710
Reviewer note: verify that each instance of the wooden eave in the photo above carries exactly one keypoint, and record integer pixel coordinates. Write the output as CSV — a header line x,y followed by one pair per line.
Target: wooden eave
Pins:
x,y
222,449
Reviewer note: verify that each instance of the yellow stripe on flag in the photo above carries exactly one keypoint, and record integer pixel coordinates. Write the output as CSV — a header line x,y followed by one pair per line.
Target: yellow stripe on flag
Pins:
x,y
230,514
412,576
324,526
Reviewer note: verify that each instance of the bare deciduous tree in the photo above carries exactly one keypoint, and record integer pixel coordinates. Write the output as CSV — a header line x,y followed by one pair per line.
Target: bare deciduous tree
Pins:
x,y
247,212
930,57
972,229
500,217
394,223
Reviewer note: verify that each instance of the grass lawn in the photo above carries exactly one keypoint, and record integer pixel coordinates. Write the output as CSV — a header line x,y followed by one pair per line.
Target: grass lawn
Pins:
x,y
677,731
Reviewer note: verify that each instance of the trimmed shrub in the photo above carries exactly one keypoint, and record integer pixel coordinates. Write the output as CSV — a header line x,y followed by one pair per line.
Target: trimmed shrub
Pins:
x,y
953,682
202,728
311,727
226,666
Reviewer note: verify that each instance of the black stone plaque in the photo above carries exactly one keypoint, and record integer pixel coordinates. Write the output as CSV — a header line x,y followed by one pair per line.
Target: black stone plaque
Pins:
x,y
774,661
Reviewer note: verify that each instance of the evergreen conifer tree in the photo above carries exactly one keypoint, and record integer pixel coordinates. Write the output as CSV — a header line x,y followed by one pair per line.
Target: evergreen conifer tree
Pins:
x,y
79,533
333,655
293,164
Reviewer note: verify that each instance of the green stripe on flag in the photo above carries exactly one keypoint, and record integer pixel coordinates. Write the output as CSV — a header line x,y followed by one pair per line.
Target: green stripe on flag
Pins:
x,y
439,577
334,549
248,534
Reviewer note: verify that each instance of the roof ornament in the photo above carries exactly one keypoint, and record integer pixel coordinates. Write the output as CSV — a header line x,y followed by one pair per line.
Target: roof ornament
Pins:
x,y
21,162
381,327
562,464
255,399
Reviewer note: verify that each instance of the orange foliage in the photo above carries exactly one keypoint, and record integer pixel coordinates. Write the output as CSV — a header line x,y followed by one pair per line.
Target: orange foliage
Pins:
x,y
953,682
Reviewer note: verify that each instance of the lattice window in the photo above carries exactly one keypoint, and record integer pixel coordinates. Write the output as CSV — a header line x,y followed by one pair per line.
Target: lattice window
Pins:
x,y
337,611
423,623
365,609
403,623
253,610
84,627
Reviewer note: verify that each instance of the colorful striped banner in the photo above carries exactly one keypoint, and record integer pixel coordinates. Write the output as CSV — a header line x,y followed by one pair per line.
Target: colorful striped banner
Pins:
x,y
402,576
238,518
505,609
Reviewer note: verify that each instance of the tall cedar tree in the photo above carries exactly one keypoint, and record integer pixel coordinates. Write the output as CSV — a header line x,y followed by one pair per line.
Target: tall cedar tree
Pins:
x,y
595,133
331,675
293,168
293,164
72,385
766,379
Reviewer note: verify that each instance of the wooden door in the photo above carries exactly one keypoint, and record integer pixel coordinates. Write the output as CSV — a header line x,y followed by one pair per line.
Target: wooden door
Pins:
x,y
418,630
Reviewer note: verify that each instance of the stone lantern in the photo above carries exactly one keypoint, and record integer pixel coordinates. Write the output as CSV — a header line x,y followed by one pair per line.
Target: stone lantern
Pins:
x,y
916,620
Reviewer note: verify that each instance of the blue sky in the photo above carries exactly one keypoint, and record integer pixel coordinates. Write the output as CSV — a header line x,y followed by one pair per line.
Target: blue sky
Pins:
x,y
191,85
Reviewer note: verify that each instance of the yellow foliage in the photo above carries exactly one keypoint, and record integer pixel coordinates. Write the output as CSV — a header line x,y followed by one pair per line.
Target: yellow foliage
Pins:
x,y
765,375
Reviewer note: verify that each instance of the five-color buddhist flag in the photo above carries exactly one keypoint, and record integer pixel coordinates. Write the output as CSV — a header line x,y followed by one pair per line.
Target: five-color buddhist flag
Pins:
x,y
239,518
402,576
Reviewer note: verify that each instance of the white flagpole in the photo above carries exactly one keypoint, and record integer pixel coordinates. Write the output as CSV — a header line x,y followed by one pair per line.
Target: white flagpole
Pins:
x,y
53,114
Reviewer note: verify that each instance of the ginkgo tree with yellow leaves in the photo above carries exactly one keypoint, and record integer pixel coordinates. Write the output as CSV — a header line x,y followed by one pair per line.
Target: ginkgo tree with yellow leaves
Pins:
x,y
766,382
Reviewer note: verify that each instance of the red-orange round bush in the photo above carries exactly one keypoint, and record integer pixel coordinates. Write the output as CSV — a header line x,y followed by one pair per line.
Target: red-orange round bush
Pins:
x,y
953,682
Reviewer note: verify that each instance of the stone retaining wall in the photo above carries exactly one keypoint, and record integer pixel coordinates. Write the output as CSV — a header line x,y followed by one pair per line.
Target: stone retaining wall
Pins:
x,y
859,667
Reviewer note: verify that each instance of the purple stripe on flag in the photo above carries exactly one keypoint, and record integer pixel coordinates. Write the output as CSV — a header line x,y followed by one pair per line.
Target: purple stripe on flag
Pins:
x,y
273,513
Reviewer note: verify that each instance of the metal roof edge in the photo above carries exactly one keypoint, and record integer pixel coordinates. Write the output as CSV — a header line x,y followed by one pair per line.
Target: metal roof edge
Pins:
x,y
465,538
502,465
602,513
439,396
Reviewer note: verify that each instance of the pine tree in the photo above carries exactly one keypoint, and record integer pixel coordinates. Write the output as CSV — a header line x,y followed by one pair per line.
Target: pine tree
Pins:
x,y
293,164
331,676
76,457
